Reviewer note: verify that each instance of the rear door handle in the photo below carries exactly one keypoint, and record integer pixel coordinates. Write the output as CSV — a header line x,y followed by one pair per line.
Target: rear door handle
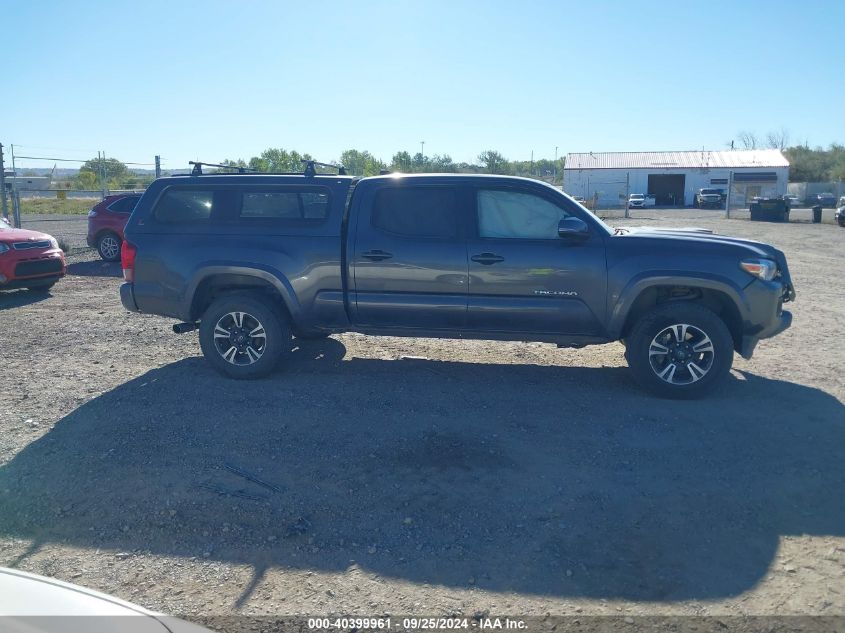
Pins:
x,y
376,255
487,258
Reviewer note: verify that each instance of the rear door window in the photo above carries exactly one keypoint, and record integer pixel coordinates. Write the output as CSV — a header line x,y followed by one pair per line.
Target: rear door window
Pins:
x,y
417,211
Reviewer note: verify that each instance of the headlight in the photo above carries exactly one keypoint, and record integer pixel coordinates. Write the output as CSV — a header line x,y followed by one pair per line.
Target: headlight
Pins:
x,y
54,242
762,268
3,247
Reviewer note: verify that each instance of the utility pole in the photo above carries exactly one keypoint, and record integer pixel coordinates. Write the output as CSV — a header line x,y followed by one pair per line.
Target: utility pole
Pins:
x,y
728,197
627,192
554,167
16,200
3,185
101,159
158,166
422,149
531,169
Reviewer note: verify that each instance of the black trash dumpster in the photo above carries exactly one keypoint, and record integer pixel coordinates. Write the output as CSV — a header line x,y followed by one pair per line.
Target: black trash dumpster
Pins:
x,y
770,210
817,214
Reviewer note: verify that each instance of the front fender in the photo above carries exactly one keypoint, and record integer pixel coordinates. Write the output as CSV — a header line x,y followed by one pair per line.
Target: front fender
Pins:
x,y
624,300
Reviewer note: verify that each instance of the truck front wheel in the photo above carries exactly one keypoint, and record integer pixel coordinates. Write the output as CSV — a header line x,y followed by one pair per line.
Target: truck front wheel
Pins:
x,y
680,350
243,336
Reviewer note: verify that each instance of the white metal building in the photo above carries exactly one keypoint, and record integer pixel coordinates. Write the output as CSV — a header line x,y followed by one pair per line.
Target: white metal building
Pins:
x,y
674,177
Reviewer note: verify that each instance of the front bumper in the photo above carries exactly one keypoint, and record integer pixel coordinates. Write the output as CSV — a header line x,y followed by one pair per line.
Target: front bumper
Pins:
x,y
127,296
22,269
767,317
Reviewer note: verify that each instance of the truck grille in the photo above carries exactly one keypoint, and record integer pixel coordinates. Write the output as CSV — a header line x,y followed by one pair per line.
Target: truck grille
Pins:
x,y
22,246
38,267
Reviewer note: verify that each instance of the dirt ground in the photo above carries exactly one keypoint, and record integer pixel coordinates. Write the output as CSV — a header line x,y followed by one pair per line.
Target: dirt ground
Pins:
x,y
425,477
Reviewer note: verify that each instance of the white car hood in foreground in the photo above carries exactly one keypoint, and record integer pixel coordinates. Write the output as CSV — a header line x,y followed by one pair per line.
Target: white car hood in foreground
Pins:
x,y
35,604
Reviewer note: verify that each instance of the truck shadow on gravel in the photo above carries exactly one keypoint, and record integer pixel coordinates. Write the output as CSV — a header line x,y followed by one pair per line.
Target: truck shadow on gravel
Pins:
x,y
10,299
95,268
557,481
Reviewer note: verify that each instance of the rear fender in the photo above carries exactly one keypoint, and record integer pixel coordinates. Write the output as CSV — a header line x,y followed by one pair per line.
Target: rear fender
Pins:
x,y
278,281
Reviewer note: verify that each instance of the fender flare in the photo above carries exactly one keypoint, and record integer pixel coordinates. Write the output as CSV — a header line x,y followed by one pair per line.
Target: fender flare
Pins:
x,y
640,283
279,282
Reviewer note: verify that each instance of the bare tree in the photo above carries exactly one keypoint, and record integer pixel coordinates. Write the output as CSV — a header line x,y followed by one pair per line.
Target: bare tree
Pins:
x,y
749,140
778,140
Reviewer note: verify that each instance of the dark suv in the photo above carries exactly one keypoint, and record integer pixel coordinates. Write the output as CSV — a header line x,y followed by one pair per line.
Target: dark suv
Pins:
x,y
251,260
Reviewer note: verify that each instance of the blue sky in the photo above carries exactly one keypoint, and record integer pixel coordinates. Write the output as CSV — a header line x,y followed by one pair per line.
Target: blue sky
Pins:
x,y
215,80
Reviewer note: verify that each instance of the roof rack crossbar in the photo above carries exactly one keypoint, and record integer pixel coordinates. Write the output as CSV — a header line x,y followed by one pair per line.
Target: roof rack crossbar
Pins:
x,y
311,167
197,169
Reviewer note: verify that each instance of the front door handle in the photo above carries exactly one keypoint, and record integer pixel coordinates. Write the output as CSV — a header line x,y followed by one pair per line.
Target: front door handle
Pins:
x,y
487,258
376,255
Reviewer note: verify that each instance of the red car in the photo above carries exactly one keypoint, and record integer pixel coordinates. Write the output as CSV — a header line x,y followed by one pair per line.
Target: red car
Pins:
x,y
29,259
106,222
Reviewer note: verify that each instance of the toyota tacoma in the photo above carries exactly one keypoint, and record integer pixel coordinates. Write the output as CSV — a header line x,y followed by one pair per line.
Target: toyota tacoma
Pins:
x,y
252,260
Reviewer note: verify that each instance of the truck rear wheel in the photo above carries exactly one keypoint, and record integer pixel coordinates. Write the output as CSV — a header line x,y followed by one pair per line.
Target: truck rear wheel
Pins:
x,y
680,350
244,336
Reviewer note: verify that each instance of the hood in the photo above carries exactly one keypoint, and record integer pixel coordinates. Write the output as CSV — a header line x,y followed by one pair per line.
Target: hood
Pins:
x,y
9,234
700,236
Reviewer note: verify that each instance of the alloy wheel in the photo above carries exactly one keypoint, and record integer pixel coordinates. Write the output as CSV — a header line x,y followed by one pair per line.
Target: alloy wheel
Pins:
x,y
109,247
240,338
681,354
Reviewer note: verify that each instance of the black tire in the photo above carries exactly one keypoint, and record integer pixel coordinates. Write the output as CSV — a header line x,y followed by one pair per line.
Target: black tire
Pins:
x,y
842,222
695,372
271,344
108,246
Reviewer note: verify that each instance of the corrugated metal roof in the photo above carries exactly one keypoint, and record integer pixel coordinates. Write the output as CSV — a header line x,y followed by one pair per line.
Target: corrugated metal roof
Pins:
x,y
739,158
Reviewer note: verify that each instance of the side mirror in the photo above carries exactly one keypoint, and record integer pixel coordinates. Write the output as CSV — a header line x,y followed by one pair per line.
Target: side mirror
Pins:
x,y
572,227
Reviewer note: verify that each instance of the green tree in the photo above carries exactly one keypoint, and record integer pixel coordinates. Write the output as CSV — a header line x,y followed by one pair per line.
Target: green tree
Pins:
x,y
277,159
85,180
442,164
104,171
401,161
359,163
493,162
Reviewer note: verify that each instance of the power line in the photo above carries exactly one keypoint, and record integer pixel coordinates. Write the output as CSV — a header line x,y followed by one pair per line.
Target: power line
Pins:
x,y
76,160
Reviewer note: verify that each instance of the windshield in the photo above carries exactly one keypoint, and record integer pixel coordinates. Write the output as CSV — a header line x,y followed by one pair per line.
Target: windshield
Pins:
x,y
710,192
637,196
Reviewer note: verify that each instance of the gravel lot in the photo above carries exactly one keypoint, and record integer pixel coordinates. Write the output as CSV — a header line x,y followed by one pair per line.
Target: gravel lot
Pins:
x,y
425,477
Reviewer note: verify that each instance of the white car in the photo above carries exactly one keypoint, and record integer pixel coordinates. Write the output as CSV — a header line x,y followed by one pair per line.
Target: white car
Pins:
x,y
26,601
641,200
636,201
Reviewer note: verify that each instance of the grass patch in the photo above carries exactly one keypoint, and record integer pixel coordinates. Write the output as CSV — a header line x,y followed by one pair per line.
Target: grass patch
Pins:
x,y
71,206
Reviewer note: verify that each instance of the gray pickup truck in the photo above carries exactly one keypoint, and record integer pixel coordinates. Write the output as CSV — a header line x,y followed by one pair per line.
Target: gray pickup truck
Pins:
x,y
252,260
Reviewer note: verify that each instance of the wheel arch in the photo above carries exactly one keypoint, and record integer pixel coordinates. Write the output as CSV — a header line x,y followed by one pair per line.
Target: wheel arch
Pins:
x,y
720,296
216,281
103,231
